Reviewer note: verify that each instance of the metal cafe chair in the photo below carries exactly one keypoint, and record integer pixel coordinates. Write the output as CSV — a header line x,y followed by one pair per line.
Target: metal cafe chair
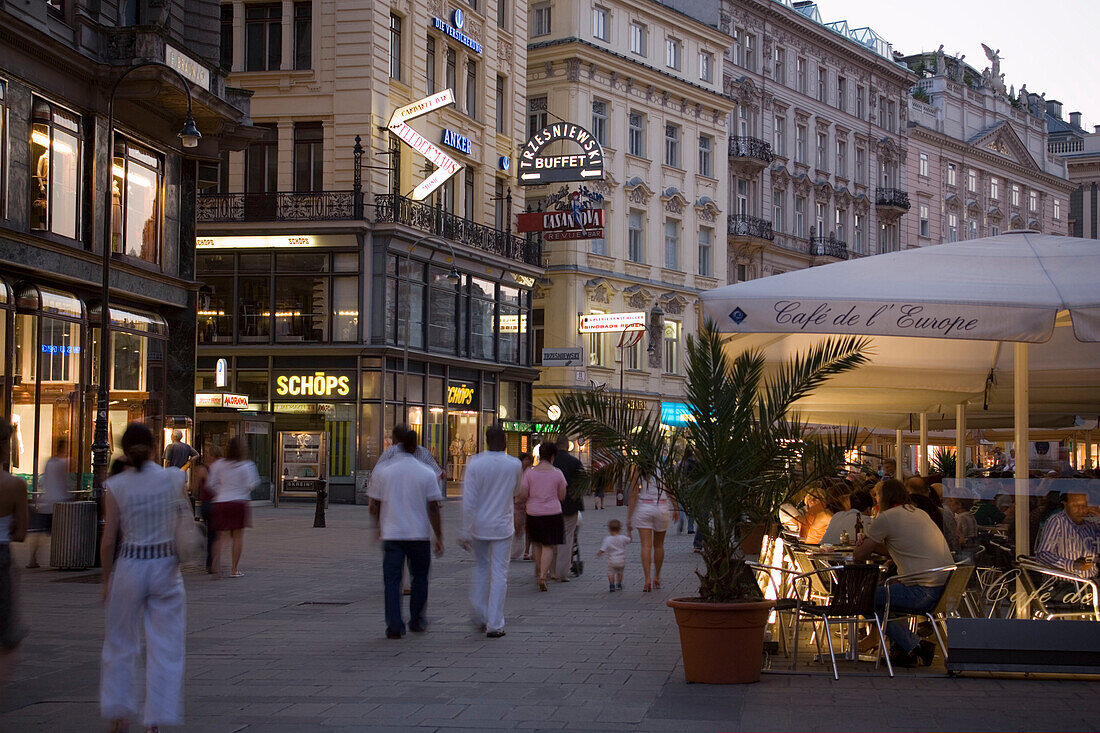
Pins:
x,y
852,601
1051,608
785,600
939,611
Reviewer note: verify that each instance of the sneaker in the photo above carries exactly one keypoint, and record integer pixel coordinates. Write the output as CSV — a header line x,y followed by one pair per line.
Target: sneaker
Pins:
x,y
611,588
618,586
418,626
495,634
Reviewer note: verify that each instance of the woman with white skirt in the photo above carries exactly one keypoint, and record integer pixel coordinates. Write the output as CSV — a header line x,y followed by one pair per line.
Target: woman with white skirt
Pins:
x,y
143,589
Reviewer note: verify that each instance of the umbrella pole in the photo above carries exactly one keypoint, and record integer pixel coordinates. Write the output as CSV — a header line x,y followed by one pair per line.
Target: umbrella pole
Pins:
x,y
1023,504
960,441
923,463
899,454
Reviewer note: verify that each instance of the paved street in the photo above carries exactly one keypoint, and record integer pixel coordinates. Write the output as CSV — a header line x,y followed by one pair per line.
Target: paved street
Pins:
x,y
298,644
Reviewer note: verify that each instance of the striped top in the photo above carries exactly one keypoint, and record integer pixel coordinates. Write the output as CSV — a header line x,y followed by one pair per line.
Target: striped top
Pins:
x,y
1063,542
149,503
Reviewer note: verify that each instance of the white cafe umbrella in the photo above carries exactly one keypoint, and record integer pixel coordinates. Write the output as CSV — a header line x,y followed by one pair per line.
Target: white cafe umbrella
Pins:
x,y
948,326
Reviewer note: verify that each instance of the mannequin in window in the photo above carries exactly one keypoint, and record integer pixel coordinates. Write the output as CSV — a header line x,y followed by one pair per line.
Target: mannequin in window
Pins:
x,y
40,205
116,215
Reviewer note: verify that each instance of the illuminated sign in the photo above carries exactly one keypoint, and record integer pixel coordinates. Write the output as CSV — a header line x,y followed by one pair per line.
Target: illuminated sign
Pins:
x,y
461,143
456,33
675,414
461,395
52,349
553,412
522,426
586,164
513,323
574,234
612,322
446,166
505,162
278,240
545,221
221,399
318,384
220,373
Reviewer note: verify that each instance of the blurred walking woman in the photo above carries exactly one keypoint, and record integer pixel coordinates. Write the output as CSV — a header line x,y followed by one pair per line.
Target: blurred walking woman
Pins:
x,y
143,588
648,510
232,480
542,490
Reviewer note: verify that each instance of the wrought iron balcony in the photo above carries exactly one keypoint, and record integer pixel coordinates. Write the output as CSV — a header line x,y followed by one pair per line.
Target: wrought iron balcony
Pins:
x,y
286,206
389,208
751,149
893,198
743,225
828,247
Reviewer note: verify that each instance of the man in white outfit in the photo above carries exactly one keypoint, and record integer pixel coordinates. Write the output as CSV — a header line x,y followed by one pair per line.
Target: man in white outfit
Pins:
x,y
490,485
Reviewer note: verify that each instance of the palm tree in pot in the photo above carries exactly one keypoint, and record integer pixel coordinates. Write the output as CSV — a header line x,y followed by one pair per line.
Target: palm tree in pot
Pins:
x,y
751,453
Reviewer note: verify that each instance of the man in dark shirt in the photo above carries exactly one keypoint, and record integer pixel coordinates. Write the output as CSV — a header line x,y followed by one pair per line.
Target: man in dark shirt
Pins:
x,y
178,454
571,506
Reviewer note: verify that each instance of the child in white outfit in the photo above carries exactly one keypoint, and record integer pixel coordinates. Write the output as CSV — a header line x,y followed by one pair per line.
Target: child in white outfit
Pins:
x,y
614,546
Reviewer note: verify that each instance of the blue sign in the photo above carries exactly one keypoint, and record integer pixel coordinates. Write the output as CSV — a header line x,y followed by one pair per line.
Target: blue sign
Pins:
x,y
505,162
51,349
458,18
460,143
456,34
675,414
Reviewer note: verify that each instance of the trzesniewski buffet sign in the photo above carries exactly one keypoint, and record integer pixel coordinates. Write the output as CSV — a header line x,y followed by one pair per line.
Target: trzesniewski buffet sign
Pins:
x,y
582,159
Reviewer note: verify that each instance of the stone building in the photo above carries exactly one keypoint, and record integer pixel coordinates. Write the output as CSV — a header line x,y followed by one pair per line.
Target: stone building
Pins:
x,y
1081,151
316,259
818,137
978,162
61,63
647,82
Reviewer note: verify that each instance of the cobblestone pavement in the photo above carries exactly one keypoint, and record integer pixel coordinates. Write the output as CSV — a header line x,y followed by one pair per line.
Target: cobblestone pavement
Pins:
x,y
298,644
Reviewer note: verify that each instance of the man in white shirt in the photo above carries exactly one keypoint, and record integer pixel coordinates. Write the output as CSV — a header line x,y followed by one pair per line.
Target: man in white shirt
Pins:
x,y
405,498
491,483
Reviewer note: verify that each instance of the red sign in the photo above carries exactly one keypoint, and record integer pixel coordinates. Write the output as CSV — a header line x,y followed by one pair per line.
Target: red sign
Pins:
x,y
548,221
574,234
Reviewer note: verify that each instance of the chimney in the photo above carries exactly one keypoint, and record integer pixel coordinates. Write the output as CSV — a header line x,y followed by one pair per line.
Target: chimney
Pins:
x,y
1075,119
1054,108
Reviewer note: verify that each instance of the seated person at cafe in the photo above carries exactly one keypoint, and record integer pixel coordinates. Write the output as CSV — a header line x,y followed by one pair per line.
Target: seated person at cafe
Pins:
x,y
1070,541
857,504
813,522
916,545
918,497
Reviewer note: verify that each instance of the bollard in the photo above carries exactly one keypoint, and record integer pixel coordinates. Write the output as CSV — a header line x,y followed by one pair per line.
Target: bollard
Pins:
x,y
322,495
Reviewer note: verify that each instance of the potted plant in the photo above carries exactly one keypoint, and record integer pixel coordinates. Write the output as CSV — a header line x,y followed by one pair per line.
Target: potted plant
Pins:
x,y
750,453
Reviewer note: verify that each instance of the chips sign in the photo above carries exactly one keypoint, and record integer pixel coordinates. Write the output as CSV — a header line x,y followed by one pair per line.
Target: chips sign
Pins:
x,y
612,322
583,163
549,221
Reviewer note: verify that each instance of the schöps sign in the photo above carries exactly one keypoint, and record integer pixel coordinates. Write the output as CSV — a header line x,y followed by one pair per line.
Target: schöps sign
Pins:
x,y
318,384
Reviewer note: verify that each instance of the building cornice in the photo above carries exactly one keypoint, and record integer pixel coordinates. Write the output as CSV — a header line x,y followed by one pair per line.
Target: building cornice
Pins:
x,y
532,61
965,149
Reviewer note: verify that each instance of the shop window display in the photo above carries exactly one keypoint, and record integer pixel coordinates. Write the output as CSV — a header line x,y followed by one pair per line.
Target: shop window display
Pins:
x,y
136,185
482,318
301,312
55,170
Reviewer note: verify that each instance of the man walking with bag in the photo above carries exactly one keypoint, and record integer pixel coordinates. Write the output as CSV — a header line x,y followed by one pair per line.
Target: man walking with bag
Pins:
x,y
491,483
571,507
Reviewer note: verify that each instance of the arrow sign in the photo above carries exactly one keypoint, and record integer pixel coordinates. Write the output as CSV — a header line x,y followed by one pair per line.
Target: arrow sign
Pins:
x,y
446,166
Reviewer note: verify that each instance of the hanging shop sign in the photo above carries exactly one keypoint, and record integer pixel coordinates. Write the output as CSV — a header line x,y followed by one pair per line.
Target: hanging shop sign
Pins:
x,y
317,384
584,162
454,30
220,373
446,166
612,322
566,357
221,399
462,394
675,414
461,143
547,221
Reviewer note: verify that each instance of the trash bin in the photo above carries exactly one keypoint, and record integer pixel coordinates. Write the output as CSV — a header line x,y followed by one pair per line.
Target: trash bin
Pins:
x,y
72,541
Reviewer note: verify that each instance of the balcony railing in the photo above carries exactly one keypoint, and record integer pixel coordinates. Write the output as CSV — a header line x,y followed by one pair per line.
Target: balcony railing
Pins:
x,y
893,197
1061,147
400,210
287,206
743,225
828,247
751,147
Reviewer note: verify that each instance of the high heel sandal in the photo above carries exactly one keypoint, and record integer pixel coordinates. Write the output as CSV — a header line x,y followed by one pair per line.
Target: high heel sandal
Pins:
x,y
657,585
542,584
646,588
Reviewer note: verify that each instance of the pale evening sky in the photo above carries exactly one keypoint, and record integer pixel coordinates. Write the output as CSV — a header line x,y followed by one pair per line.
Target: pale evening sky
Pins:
x,y
1049,45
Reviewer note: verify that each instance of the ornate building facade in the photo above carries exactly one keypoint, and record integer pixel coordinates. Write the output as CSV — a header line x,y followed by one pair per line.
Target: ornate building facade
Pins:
x,y
316,257
647,82
979,163
1081,151
818,138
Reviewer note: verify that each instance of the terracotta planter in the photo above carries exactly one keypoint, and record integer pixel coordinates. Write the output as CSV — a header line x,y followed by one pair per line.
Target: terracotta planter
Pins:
x,y
722,643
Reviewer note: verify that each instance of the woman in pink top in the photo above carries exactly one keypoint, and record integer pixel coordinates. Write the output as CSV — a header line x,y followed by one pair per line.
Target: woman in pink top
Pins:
x,y
542,492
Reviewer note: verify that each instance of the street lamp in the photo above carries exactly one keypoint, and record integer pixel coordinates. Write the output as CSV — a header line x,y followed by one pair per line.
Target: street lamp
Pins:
x,y
189,138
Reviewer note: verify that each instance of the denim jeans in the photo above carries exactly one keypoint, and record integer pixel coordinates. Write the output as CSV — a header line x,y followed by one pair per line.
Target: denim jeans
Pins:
x,y
10,633
418,554
918,598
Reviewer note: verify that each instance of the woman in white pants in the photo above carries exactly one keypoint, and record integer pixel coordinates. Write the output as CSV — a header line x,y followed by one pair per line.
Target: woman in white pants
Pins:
x,y
648,511
142,588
